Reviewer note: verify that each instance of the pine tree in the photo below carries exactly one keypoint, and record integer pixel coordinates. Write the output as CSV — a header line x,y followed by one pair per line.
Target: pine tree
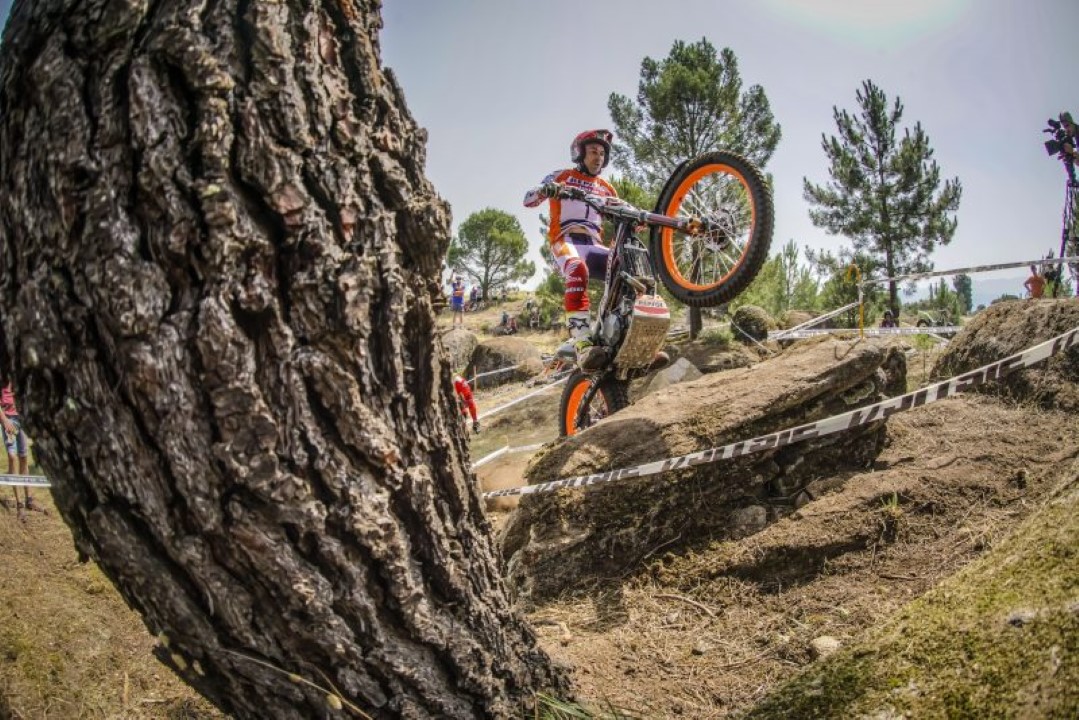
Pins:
x,y
690,102
490,247
885,192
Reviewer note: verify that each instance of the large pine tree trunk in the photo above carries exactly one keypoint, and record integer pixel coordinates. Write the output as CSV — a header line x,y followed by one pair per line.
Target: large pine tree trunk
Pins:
x,y
218,256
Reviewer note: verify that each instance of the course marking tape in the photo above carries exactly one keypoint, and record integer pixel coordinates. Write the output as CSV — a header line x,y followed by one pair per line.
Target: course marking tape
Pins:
x,y
495,372
809,323
491,456
827,426
975,269
511,403
27,480
876,332
505,451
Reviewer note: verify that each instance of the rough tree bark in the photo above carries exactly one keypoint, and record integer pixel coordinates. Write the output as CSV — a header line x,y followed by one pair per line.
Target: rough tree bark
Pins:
x,y
217,261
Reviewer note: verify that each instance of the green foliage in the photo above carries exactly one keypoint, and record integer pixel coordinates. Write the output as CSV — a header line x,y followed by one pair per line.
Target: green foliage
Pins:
x,y
885,194
964,289
690,102
490,247
717,337
942,300
783,284
840,285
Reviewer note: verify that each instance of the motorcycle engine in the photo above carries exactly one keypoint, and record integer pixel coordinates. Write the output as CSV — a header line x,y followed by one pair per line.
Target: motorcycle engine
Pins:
x,y
615,323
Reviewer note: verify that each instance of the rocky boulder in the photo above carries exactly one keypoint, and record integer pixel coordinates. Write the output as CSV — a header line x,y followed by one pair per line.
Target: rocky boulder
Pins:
x,y
572,539
709,357
504,352
459,344
750,322
1007,328
681,370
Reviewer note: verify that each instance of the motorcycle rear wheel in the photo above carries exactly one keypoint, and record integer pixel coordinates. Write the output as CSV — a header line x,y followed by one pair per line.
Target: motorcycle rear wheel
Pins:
x,y
584,405
714,267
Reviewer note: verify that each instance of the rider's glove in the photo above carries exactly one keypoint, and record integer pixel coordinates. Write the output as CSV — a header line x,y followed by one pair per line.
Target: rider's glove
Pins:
x,y
551,189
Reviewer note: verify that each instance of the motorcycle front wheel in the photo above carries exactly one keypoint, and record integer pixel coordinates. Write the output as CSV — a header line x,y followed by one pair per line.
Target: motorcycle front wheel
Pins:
x,y
584,403
729,194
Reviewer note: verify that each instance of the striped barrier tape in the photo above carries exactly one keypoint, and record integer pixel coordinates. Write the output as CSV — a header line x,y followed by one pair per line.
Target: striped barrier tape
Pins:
x,y
491,456
975,269
827,426
495,372
511,403
872,332
505,451
785,333
25,480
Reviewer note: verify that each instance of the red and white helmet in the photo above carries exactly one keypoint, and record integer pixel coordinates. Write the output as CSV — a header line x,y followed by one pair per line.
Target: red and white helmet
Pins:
x,y
603,137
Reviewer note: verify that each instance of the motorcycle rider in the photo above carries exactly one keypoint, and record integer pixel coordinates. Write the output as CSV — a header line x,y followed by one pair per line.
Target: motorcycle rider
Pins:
x,y
576,237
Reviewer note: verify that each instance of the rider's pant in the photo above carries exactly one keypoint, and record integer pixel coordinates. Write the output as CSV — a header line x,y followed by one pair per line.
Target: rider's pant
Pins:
x,y
579,255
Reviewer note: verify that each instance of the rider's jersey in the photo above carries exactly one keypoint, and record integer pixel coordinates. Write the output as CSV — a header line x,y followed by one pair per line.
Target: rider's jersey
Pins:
x,y
460,385
459,289
572,216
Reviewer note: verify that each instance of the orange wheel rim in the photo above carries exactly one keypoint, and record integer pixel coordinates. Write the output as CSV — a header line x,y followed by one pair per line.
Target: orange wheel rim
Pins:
x,y
574,405
672,208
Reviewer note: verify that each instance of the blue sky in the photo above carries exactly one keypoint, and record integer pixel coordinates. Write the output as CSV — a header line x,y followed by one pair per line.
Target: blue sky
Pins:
x,y
503,85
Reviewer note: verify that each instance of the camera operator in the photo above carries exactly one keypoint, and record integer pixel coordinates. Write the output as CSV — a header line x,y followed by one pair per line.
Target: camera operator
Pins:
x,y
1065,141
1070,147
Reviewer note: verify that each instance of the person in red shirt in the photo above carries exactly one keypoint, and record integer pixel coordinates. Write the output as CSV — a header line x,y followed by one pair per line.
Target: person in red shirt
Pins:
x,y
1035,284
464,399
15,439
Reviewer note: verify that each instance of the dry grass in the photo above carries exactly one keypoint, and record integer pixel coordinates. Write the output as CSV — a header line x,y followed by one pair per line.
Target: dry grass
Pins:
x,y
69,646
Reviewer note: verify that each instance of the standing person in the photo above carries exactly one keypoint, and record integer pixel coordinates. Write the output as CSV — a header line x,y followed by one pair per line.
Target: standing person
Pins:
x,y
1035,284
15,439
576,237
474,299
457,300
887,321
464,399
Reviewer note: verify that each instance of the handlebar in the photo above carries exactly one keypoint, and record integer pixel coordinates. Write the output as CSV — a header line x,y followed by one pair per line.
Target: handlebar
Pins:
x,y
618,209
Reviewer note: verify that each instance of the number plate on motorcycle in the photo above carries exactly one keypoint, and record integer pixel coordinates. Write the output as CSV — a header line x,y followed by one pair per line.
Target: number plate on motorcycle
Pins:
x,y
651,306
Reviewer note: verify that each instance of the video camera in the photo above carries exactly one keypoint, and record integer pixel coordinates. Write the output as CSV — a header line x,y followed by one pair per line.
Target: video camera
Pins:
x,y
1055,146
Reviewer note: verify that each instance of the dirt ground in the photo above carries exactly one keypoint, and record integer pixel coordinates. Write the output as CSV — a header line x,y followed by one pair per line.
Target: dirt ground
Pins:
x,y
706,635
703,634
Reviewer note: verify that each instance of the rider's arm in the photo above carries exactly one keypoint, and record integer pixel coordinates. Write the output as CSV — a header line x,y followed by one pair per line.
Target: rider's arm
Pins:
x,y
536,195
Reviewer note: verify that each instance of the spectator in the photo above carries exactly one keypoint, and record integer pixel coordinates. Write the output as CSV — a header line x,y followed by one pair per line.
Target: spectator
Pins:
x,y
457,300
464,399
15,439
887,321
474,299
1035,284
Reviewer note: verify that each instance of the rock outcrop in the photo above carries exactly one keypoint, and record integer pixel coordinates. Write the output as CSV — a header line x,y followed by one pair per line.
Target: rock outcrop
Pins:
x,y
572,539
501,353
1006,328
459,344
750,322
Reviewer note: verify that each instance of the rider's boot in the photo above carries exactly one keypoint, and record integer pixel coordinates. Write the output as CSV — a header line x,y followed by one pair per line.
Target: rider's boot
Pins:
x,y
580,346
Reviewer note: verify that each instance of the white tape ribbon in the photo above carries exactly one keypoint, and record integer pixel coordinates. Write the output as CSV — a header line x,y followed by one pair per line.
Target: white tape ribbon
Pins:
x,y
27,480
871,332
976,269
828,426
